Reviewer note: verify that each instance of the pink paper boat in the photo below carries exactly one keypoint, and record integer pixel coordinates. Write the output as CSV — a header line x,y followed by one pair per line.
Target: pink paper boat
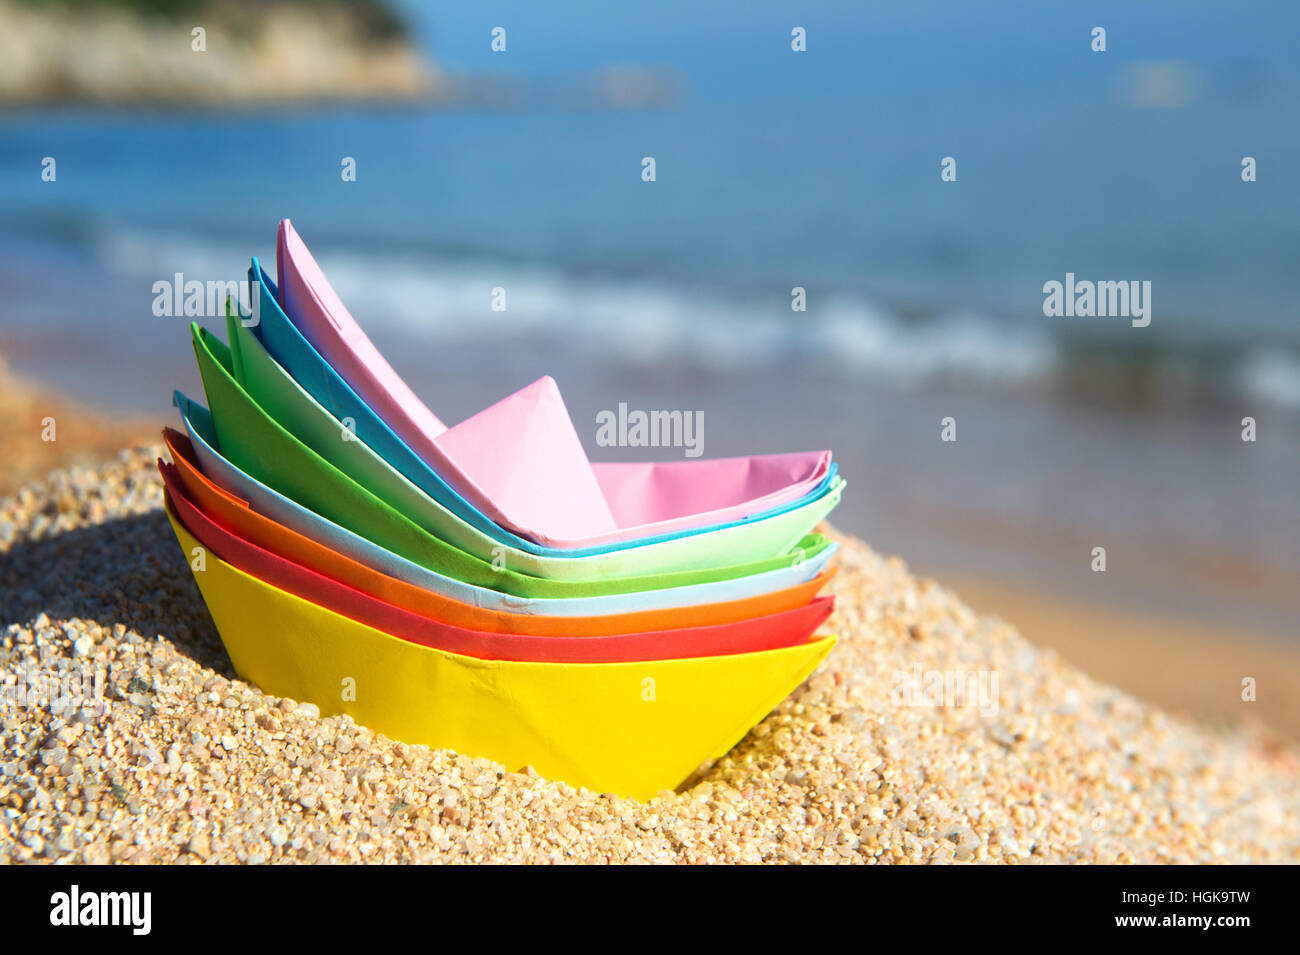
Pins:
x,y
520,461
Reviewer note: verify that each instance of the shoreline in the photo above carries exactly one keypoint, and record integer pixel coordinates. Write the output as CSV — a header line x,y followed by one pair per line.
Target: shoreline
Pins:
x,y
79,436
1190,668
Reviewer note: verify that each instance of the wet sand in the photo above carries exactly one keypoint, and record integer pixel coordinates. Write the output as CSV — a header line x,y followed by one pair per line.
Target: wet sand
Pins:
x,y
1185,666
40,430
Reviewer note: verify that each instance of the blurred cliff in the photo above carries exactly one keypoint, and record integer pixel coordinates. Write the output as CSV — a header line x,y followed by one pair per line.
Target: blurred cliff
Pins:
x,y
207,52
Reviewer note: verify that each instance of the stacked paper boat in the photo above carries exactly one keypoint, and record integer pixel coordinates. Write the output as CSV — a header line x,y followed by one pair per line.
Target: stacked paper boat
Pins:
x,y
484,587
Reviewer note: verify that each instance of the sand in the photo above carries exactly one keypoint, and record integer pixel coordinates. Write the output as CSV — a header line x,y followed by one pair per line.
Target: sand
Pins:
x,y
40,431
1188,666
180,761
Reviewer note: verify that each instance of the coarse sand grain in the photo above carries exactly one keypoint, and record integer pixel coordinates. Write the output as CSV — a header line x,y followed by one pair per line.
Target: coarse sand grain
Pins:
x,y
180,761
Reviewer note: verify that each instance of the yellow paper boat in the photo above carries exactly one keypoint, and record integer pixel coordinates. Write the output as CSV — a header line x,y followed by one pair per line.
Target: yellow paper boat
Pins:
x,y
626,728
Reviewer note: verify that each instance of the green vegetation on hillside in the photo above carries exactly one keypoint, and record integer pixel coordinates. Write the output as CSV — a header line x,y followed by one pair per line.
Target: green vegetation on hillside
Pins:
x,y
374,19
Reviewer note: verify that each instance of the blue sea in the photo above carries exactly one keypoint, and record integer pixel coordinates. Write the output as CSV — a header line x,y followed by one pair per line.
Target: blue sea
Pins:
x,y
775,170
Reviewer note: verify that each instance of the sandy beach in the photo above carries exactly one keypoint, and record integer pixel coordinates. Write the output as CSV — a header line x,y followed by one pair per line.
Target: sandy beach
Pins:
x,y
180,761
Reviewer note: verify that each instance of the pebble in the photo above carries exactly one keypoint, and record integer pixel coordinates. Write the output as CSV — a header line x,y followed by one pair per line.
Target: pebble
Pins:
x,y
198,845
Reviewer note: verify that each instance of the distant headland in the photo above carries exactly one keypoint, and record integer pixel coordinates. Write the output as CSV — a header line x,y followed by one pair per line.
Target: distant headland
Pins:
x,y
216,53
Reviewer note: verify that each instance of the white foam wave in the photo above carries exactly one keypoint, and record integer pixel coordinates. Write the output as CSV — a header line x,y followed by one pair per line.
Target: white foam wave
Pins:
x,y
1272,376
442,300
648,322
